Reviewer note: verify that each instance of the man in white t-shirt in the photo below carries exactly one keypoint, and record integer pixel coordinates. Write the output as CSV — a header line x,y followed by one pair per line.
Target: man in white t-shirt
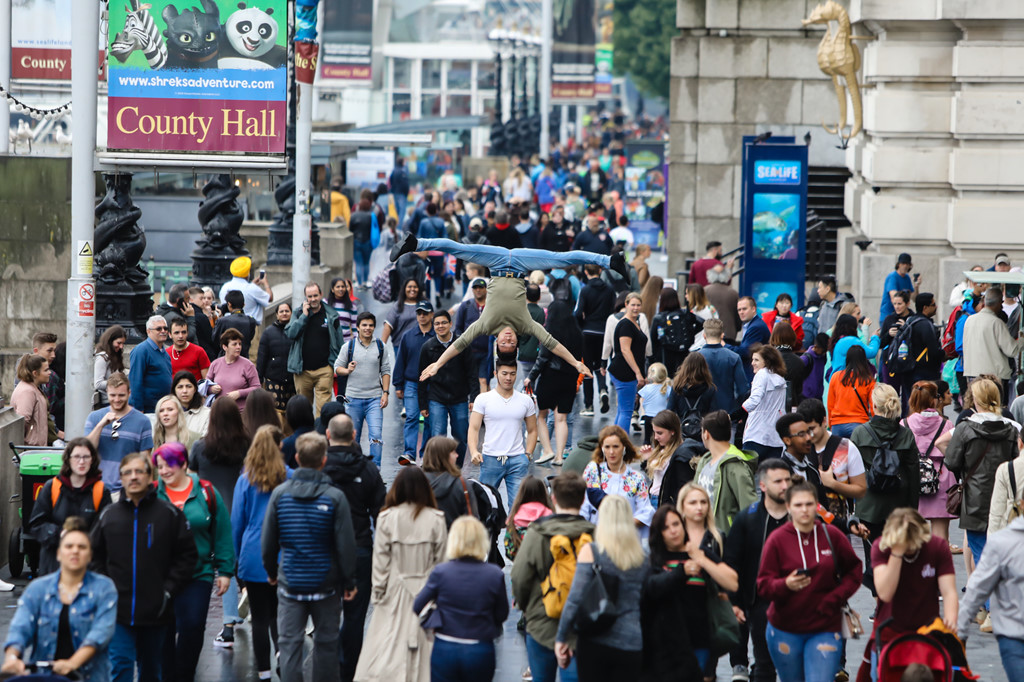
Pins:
x,y
845,476
503,411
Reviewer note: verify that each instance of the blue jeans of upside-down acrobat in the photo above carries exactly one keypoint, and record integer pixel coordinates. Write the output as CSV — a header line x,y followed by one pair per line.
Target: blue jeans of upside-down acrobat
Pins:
x,y
518,260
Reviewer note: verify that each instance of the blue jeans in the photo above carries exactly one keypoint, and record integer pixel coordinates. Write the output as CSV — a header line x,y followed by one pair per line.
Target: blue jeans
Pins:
x,y
454,662
625,397
229,603
362,251
514,470
763,451
843,430
1012,652
543,663
411,430
368,409
184,643
810,656
437,272
136,647
458,414
401,203
517,260
351,634
976,544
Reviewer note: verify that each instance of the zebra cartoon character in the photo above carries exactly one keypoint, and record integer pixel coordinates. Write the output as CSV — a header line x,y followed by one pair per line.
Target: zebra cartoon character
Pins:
x,y
140,33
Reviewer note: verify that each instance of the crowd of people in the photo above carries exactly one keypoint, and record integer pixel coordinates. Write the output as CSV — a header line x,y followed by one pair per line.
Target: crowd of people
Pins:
x,y
716,515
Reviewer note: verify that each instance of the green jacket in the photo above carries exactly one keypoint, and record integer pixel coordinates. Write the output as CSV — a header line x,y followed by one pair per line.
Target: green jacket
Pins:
x,y
734,484
533,561
295,329
876,507
215,547
580,457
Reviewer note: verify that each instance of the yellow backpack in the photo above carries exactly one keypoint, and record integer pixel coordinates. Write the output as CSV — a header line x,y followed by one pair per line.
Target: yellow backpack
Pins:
x,y
555,587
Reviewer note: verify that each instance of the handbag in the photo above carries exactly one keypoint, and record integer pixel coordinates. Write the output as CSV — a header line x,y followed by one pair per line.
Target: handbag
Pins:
x,y
430,618
955,493
597,612
723,628
849,620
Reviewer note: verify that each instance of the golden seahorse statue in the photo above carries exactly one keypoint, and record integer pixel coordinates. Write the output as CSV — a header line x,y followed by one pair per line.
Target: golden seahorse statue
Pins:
x,y
839,58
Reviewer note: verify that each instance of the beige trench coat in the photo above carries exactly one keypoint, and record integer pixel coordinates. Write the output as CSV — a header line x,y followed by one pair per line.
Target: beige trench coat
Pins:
x,y
405,550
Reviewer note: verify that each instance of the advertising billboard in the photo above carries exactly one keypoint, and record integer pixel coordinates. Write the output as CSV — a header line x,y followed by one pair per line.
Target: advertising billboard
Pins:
x,y
198,76
347,41
644,198
573,52
41,40
604,51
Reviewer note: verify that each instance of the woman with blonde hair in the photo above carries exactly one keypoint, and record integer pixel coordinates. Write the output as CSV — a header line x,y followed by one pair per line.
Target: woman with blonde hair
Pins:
x,y
616,653
978,446
884,431
610,472
650,295
470,604
170,425
654,396
409,542
697,302
912,569
263,471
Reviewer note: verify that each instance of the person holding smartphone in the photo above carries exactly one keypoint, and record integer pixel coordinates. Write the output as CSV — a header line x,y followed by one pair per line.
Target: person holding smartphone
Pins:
x,y
899,280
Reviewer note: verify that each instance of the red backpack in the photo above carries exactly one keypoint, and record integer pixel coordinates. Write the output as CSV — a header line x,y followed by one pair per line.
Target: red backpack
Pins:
x,y
949,334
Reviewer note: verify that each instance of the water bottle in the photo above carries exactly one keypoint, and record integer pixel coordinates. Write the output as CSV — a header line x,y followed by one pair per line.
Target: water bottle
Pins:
x,y
904,351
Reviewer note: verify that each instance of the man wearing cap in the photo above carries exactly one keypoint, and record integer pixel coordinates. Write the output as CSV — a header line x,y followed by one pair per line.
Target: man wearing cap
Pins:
x,y
898,280
507,289
316,335
407,377
257,293
1001,264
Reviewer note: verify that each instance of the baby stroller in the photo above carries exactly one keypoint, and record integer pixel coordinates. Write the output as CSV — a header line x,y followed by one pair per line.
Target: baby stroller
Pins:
x,y
934,646
39,672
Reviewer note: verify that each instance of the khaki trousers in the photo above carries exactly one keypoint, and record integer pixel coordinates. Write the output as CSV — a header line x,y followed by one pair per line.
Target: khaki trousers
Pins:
x,y
317,385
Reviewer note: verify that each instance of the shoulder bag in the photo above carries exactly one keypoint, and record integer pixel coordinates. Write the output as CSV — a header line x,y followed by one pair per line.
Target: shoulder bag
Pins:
x,y
598,611
723,628
955,493
850,627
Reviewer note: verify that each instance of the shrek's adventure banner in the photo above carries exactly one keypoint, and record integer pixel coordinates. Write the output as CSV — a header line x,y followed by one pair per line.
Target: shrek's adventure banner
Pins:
x,y
203,76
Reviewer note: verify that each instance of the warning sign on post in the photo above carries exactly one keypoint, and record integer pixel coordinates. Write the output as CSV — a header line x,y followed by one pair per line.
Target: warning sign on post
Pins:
x,y
83,263
87,299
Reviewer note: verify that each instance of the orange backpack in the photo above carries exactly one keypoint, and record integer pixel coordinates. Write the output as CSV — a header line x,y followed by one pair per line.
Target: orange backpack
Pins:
x,y
97,493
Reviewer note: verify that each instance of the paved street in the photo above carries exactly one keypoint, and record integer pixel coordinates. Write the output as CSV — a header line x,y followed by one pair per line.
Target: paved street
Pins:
x,y
220,665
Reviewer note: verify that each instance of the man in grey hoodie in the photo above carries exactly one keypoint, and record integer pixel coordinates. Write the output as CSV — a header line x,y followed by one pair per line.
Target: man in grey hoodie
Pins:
x,y
1001,570
309,523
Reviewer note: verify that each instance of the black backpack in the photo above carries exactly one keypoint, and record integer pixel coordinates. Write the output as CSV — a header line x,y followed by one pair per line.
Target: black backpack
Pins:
x,y
899,356
690,420
884,473
561,289
678,332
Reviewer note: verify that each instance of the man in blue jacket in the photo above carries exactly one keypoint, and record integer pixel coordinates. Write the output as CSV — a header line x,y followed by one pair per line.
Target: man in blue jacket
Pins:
x,y
150,373
309,523
726,369
407,378
755,332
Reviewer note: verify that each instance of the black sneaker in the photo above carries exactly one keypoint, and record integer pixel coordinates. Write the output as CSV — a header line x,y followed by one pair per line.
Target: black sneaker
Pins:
x,y
618,264
605,404
406,461
407,245
226,638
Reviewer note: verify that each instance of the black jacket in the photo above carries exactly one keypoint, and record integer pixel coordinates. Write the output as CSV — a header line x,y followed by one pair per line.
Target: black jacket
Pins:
x,y
171,313
361,225
409,266
148,552
451,496
924,337
595,305
357,477
507,238
599,242
594,198
236,320
272,356
48,520
743,546
700,397
554,237
680,470
453,383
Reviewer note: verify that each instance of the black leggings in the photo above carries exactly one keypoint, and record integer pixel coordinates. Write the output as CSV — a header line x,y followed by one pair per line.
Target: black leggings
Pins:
x,y
263,609
598,663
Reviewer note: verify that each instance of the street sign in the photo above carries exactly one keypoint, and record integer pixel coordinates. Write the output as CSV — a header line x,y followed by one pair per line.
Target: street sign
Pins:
x,y
87,300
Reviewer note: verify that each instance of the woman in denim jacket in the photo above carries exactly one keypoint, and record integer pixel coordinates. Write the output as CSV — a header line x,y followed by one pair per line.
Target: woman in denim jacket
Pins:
x,y
67,617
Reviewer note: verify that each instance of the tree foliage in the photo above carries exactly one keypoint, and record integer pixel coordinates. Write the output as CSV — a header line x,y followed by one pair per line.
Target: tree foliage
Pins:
x,y
643,42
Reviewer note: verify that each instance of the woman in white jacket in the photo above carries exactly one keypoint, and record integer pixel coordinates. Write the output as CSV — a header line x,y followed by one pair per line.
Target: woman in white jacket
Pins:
x,y
1006,493
767,402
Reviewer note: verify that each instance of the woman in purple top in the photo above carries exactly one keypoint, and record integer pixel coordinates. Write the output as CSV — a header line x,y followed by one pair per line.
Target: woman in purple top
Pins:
x,y
231,374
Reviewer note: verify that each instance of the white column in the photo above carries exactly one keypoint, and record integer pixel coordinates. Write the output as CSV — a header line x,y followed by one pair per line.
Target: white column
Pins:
x,y
546,31
5,72
563,128
81,295
416,98
302,223
581,111
389,89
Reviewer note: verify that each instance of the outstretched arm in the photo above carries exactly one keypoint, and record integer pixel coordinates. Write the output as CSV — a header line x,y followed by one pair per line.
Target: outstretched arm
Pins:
x,y
430,370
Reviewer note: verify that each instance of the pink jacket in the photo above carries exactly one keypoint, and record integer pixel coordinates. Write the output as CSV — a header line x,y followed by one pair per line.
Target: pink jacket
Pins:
x,y
30,403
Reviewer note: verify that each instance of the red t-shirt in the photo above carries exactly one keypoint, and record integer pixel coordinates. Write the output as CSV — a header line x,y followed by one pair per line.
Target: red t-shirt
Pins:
x,y
699,270
193,358
916,602
179,497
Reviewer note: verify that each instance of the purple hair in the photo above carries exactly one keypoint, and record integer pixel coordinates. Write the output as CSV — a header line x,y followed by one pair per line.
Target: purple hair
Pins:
x,y
174,454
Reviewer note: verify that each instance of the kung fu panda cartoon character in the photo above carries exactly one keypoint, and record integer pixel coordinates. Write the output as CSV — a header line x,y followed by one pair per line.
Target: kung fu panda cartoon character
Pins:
x,y
250,40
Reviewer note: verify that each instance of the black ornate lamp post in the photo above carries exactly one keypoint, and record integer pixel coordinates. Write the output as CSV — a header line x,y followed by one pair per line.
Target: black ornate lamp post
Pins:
x,y
220,216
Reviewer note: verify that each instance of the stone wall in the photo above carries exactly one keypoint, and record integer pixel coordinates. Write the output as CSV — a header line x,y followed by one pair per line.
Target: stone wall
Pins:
x,y
940,168
739,67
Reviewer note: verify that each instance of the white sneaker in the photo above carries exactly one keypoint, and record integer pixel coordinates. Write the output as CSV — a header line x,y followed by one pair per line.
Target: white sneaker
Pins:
x,y
6,586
